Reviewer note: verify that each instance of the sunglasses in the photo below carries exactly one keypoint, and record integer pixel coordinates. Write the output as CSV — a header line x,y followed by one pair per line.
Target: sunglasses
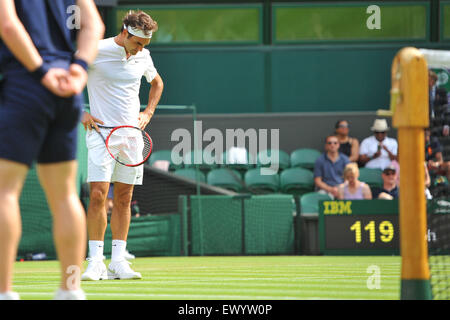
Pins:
x,y
389,173
380,132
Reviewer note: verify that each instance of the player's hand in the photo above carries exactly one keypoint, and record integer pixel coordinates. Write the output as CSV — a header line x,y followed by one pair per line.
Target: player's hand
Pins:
x,y
56,81
90,122
144,119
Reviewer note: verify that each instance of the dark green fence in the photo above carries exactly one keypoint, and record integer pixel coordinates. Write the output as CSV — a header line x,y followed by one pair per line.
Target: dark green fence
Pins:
x,y
227,225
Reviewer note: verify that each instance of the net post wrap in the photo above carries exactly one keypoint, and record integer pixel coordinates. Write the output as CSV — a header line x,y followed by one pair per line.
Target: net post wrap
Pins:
x,y
409,110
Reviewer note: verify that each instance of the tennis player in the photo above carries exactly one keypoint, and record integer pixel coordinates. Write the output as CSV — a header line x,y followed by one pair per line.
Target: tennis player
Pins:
x,y
40,109
113,88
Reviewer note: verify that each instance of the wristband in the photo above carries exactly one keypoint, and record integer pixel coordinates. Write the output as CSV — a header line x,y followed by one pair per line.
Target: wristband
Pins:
x,y
40,72
80,62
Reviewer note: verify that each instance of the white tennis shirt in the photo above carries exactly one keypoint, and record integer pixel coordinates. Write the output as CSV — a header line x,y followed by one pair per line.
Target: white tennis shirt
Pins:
x,y
114,82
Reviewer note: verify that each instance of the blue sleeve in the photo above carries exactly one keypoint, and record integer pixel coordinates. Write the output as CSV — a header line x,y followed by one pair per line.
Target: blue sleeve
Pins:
x,y
318,168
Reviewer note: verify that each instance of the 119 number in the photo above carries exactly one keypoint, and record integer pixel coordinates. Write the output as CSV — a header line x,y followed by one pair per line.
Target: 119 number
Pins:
x,y
385,228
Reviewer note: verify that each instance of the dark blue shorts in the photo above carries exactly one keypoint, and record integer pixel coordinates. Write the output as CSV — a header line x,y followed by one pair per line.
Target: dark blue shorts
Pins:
x,y
36,125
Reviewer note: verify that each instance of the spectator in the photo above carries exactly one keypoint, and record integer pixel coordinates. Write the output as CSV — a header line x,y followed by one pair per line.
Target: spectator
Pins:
x,y
378,150
348,145
427,183
329,168
352,188
438,96
389,190
434,157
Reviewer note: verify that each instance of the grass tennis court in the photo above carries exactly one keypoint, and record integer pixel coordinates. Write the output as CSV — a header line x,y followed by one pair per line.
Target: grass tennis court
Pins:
x,y
229,278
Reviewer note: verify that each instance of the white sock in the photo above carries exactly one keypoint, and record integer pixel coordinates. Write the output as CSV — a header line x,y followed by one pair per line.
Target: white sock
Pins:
x,y
96,249
118,250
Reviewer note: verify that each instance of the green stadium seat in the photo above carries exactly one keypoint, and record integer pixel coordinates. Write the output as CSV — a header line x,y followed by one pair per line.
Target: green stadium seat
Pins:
x,y
192,174
257,182
309,202
250,163
371,176
225,178
163,155
304,157
283,159
296,181
208,161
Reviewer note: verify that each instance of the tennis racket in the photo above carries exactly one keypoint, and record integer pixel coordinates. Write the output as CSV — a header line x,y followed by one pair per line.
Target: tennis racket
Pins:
x,y
128,145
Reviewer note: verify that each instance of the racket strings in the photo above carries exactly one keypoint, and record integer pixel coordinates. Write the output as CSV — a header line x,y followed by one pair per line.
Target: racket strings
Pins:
x,y
129,146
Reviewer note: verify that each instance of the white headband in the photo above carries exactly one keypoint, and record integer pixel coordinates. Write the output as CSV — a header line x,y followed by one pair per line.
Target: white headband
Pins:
x,y
138,32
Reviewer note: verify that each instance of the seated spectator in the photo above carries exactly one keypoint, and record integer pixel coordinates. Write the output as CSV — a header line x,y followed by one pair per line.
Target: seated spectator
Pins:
x,y
348,145
427,183
438,96
329,168
352,188
389,190
378,150
434,157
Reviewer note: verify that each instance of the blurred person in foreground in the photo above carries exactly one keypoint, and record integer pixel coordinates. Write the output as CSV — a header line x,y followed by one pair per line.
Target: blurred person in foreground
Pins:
x,y
40,109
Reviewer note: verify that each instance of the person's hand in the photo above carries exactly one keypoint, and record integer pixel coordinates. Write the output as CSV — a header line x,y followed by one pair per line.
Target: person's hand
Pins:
x,y
144,119
334,191
56,81
376,155
77,79
385,196
88,121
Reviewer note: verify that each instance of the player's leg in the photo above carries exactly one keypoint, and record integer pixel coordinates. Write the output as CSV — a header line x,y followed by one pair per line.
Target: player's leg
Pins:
x,y
120,223
69,222
121,212
12,177
100,168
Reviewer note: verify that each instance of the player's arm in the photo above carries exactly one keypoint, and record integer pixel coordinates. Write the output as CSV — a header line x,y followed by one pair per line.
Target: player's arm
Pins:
x,y
157,86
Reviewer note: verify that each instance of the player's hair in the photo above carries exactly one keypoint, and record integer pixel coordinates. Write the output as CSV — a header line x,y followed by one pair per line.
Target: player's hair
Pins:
x,y
139,19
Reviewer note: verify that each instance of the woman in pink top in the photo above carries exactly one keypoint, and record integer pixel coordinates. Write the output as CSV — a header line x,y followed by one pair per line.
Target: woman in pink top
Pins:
x,y
352,188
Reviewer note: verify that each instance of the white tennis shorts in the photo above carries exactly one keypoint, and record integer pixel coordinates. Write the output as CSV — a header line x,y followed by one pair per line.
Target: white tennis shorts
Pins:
x,y
103,168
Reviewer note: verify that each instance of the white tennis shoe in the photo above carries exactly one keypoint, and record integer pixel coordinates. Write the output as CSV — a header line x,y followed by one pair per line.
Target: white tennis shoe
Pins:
x,y
121,270
10,295
96,270
69,295
129,256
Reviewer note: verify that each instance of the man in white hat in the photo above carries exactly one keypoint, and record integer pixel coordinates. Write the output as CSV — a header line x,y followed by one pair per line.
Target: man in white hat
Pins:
x,y
113,88
378,150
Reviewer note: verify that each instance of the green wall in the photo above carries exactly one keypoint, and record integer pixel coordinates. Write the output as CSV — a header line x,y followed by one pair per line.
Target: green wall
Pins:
x,y
291,79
